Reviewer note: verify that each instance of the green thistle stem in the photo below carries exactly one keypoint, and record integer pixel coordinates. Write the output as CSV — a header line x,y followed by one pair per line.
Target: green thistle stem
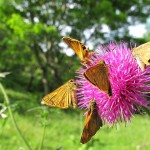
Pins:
x,y
42,140
12,117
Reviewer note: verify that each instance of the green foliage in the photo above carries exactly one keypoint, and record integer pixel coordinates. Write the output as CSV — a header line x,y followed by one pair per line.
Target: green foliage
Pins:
x,y
30,33
22,102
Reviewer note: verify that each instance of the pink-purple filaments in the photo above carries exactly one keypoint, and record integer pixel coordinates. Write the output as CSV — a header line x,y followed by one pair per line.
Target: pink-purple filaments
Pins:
x,y
128,83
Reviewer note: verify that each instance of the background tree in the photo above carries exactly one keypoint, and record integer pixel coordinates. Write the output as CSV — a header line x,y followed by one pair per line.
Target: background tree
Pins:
x,y
31,32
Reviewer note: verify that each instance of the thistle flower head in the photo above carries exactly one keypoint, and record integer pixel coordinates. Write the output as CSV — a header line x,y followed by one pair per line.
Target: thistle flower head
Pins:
x,y
128,84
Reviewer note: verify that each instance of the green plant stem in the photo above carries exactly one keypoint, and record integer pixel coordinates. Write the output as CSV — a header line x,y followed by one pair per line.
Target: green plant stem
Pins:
x,y
12,117
43,135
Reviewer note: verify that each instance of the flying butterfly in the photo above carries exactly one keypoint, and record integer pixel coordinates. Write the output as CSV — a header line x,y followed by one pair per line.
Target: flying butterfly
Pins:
x,y
142,55
98,76
80,49
92,123
62,97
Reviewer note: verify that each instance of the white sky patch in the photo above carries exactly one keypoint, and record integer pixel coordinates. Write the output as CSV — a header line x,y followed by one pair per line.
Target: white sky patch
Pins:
x,y
36,19
68,51
137,31
65,29
105,28
87,34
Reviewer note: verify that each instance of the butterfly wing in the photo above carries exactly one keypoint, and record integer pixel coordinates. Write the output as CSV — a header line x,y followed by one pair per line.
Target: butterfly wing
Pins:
x,y
98,76
80,49
141,64
62,97
142,55
92,123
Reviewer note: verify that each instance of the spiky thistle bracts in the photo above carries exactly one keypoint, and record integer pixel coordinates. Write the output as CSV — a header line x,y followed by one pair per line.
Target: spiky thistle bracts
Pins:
x,y
128,83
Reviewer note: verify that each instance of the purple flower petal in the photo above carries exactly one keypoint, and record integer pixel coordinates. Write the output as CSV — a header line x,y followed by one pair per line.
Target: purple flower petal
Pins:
x,y
128,83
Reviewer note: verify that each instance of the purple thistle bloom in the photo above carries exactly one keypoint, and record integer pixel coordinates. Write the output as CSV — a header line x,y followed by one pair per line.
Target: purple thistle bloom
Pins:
x,y
128,83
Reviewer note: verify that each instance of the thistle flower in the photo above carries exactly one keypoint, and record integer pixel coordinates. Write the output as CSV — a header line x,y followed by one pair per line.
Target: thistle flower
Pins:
x,y
128,83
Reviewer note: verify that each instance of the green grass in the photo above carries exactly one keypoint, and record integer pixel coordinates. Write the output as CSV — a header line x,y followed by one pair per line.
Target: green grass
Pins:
x,y
22,101
64,128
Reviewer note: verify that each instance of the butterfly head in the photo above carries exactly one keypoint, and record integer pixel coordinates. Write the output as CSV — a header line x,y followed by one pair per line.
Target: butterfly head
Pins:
x,y
101,62
72,81
92,104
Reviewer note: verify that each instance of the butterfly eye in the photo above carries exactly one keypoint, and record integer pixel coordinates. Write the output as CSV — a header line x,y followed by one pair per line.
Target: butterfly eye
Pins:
x,y
84,47
149,60
71,80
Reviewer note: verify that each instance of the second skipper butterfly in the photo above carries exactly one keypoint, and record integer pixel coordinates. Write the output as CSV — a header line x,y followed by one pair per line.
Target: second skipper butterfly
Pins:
x,y
62,97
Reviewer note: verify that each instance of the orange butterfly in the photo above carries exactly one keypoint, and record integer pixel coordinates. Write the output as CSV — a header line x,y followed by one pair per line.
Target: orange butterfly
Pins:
x,y
92,123
142,55
62,97
98,76
80,49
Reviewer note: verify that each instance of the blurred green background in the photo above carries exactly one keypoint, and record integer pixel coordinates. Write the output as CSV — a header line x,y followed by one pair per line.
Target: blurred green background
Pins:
x,y
31,49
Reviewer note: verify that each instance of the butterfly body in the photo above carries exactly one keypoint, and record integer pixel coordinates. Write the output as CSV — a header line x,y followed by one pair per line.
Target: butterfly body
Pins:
x,y
62,97
79,48
92,123
98,76
142,55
